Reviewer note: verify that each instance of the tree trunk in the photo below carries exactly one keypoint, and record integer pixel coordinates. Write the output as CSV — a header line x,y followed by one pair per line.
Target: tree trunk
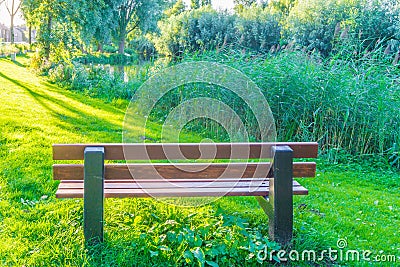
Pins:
x,y
47,42
12,29
30,35
100,47
121,45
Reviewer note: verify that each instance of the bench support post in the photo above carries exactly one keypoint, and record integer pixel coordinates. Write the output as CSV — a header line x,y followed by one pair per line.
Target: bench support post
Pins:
x,y
281,196
93,206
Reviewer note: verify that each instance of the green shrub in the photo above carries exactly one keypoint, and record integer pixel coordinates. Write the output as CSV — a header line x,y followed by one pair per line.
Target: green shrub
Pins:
x,y
99,81
143,47
99,58
258,35
312,23
209,30
7,49
110,49
257,29
377,21
206,29
198,29
39,64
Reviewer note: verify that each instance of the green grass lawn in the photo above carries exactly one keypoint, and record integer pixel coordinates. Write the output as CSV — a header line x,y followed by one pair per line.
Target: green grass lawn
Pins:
x,y
353,202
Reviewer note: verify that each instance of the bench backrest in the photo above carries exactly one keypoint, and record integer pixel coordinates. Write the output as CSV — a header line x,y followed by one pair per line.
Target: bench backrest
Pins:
x,y
183,151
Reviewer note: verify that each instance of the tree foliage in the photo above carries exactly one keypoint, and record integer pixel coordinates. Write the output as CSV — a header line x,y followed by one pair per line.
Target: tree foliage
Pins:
x,y
176,9
241,5
205,29
257,29
377,20
313,25
78,25
130,15
194,4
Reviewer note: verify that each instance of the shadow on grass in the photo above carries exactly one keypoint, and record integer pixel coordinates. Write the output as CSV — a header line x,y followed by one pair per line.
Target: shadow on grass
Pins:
x,y
24,55
77,121
18,64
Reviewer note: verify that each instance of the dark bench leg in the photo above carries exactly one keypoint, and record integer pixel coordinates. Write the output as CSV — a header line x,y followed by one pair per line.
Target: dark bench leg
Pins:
x,y
93,206
279,206
281,195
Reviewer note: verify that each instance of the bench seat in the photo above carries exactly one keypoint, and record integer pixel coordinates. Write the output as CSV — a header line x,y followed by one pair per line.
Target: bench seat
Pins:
x,y
176,188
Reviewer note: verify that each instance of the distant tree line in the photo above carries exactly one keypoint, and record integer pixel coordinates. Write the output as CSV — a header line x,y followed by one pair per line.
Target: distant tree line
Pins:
x,y
312,25
170,28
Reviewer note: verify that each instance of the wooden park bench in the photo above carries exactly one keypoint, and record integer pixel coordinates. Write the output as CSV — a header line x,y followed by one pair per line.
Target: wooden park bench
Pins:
x,y
274,189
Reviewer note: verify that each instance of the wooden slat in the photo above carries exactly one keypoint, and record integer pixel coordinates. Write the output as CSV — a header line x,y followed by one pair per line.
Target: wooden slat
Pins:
x,y
181,170
117,189
171,184
157,151
177,180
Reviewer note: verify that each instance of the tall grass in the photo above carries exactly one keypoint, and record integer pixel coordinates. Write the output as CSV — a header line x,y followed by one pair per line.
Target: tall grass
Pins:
x,y
348,104
351,105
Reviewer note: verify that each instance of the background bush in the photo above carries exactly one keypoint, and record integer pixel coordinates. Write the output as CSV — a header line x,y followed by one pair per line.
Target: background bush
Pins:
x,y
96,81
257,29
7,49
143,47
206,29
314,24
377,21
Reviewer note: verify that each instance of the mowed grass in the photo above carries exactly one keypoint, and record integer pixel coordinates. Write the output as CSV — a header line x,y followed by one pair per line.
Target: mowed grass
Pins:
x,y
356,203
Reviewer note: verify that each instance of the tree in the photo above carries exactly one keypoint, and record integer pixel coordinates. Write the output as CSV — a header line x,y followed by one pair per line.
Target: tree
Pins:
x,y
176,9
133,15
312,23
194,4
104,28
28,8
12,11
377,21
246,3
51,20
241,5
281,6
93,20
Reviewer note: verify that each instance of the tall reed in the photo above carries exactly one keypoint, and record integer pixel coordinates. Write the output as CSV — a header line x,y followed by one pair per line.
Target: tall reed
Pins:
x,y
351,105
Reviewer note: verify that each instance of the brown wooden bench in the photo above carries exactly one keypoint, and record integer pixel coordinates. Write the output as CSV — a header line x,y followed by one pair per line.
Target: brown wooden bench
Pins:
x,y
273,187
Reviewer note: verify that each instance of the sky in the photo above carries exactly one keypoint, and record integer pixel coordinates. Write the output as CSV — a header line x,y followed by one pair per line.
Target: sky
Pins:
x,y
5,17
217,4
